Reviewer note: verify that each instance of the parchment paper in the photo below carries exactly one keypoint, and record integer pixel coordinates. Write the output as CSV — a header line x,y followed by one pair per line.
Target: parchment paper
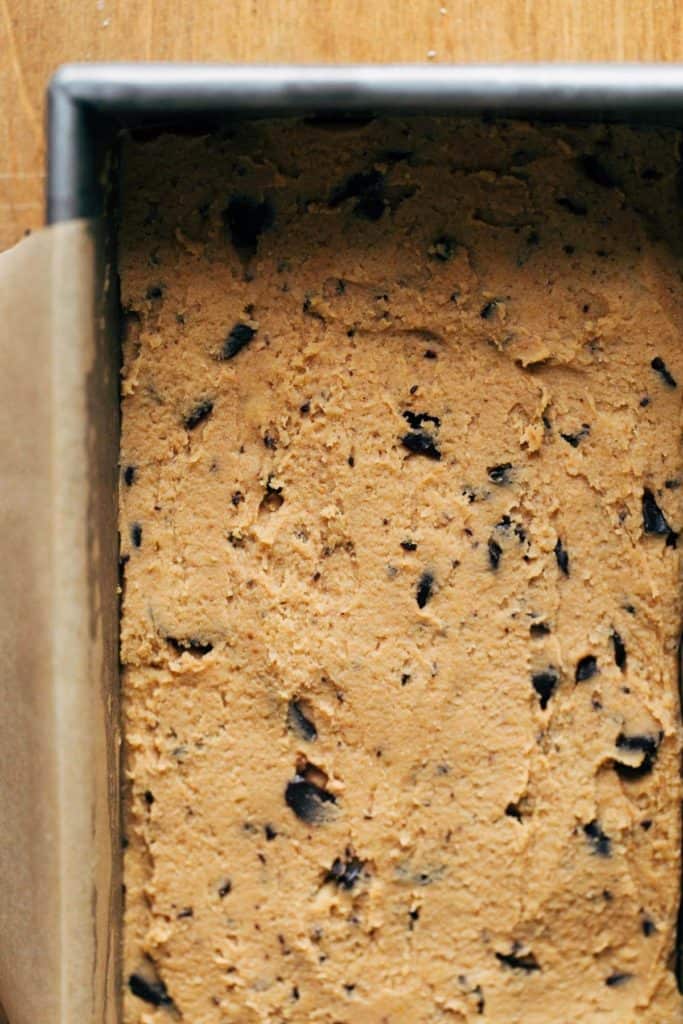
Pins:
x,y
59,887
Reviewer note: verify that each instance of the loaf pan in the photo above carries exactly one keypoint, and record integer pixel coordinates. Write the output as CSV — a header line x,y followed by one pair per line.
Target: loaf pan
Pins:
x,y
89,107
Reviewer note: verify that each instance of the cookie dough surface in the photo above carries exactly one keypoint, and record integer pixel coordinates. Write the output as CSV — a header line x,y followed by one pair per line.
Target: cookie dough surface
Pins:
x,y
400,477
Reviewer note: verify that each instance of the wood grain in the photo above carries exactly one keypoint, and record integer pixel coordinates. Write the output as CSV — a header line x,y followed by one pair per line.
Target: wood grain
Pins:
x,y
36,36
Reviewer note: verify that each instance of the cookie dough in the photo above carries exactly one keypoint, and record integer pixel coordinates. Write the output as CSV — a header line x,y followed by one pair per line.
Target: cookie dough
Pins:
x,y
400,500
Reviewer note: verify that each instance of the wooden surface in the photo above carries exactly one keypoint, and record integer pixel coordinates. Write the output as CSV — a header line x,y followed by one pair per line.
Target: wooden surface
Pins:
x,y
38,35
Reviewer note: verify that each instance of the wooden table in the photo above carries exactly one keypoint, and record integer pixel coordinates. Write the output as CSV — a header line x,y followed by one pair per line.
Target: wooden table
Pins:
x,y
38,35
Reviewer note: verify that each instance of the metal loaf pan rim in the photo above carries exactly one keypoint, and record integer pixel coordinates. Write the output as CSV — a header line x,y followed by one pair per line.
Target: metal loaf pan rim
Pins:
x,y
90,104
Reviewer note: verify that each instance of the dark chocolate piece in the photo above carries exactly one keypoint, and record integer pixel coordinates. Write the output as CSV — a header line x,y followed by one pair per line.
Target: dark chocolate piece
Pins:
x,y
575,439
654,520
545,684
443,248
136,535
307,800
660,367
526,962
246,219
599,841
619,650
562,557
191,644
574,206
129,475
368,188
299,723
417,419
200,412
420,442
424,589
648,745
586,668
499,474
239,336
495,551
153,992
596,171
345,871
617,978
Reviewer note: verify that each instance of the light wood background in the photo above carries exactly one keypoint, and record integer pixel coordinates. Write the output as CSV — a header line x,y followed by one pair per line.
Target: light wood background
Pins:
x,y
38,35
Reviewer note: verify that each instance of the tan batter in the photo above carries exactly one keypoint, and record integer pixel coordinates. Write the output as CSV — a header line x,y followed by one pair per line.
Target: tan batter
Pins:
x,y
399,498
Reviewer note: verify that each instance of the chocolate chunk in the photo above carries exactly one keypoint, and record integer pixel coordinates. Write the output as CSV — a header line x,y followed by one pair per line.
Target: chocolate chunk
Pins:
x,y
224,888
345,871
513,811
200,412
136,535
442,248
417,419
240,335
368,188
495,551
519,962
617,978
155,291
192,644
648,926
562,557
619,650
269,833
599,841
305,408
596,171
586,668
129,475
356,185
237,498
488,311
299,723
539,629
545,684
424,589
648,745
429,353
246,219
420,442
574,206
660,367
654,520
499,474
575,439
148,797
153,992
409,545
307,800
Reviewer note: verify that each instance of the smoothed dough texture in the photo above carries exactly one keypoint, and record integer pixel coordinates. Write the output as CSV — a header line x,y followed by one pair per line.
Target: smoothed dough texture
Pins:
x,y
400,493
